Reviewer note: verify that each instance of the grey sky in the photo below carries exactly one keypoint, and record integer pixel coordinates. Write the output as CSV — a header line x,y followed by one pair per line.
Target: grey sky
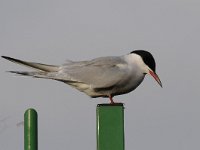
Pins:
x,y
50,31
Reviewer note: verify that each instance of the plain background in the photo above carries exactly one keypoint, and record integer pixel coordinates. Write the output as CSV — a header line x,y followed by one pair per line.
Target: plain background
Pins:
x,y
50,32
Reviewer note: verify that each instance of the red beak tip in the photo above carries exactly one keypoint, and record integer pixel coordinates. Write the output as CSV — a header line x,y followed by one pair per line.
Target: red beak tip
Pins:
x,y
155,76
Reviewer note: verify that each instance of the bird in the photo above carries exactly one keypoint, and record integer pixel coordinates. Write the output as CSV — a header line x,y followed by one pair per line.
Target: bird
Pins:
x,y
107,76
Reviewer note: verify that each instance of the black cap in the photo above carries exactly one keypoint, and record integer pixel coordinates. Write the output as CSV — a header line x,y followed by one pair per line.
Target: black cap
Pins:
x,y
147,58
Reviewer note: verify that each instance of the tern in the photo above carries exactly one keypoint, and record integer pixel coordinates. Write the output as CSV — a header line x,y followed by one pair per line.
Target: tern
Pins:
x,y
100,77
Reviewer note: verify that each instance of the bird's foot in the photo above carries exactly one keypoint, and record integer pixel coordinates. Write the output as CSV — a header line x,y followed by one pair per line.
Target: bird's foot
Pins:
x,y
111,100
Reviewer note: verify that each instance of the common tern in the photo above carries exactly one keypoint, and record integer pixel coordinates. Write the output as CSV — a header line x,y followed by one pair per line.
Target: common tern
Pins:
x,y
100,77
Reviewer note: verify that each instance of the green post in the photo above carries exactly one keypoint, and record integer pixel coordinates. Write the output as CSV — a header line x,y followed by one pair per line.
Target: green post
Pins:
x,y
30,130
110,126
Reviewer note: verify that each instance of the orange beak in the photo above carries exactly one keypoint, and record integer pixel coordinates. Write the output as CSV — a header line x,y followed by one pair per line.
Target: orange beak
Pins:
x,y
155,76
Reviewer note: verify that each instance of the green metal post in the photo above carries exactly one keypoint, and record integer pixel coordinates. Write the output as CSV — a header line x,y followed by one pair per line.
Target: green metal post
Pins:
x,y
110,127
30,130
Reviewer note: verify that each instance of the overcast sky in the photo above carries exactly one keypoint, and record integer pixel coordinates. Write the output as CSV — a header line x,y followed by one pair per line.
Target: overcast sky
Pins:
x,y
50,32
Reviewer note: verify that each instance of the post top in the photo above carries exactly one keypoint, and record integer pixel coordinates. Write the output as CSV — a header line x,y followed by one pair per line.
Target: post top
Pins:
x,y
106,104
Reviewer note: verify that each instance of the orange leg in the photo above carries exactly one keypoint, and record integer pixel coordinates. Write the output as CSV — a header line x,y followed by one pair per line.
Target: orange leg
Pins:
x,y
111,99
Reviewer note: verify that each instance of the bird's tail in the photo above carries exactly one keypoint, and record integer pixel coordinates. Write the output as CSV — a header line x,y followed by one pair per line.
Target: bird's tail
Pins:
x,y
42,69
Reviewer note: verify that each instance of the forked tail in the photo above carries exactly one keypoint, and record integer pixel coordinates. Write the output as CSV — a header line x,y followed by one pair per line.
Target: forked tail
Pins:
x,y
42,69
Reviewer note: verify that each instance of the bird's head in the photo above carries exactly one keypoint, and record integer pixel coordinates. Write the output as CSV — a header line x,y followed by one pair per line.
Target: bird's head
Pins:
x,y
150,64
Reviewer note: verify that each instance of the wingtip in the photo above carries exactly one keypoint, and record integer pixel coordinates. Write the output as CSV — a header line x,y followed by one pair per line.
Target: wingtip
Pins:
x,y
10,59
6,57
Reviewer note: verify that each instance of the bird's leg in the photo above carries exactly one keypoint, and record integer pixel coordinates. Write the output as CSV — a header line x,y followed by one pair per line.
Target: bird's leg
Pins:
x,y
111,100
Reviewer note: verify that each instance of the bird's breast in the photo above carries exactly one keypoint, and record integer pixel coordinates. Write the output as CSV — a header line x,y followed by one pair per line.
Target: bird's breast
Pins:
x,y
128,86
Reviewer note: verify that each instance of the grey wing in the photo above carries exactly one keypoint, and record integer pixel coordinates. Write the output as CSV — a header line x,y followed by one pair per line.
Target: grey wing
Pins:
x,y
98,73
